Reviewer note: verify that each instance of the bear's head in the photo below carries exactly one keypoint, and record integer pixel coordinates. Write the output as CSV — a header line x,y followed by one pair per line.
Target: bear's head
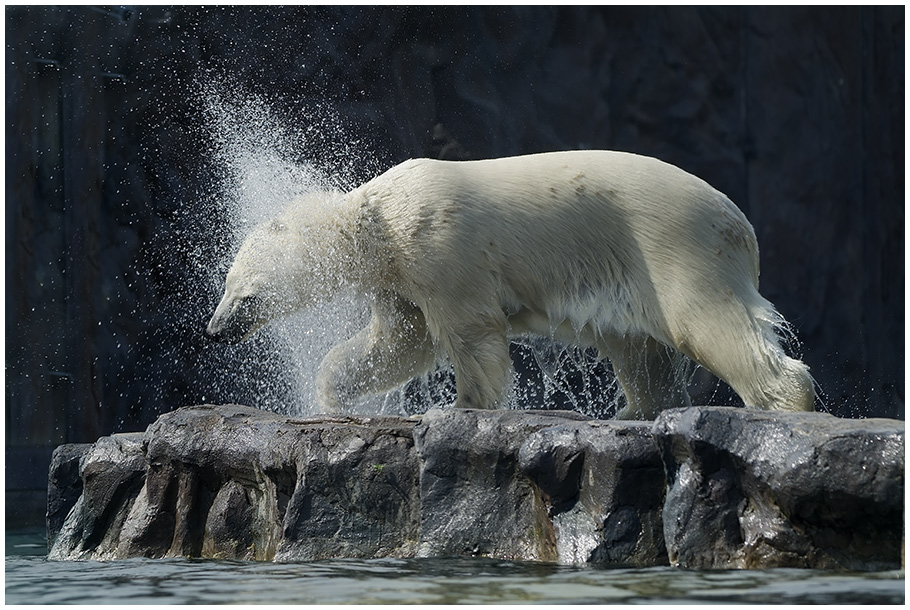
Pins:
x,y
280,268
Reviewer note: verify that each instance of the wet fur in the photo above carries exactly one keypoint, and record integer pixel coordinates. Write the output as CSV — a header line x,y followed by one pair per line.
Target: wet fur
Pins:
x,y
601,249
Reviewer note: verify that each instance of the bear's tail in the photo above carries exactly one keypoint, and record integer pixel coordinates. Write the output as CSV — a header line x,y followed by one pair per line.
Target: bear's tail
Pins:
x,y
784,381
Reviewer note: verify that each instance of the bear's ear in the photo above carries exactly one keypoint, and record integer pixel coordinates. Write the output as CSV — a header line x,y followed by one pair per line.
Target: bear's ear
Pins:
x,y
277,226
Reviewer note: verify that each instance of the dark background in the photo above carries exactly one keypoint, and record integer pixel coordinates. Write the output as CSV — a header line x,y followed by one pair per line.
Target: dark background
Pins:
x,y
796,113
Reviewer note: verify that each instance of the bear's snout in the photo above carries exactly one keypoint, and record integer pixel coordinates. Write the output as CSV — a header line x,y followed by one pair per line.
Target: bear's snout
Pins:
x,y
221,333
231,322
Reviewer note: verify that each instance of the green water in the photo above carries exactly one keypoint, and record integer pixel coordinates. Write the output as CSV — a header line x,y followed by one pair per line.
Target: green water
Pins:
x,y
31,579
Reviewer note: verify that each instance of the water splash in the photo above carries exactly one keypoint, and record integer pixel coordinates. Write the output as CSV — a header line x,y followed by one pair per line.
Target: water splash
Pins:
x,y
257,153
550,375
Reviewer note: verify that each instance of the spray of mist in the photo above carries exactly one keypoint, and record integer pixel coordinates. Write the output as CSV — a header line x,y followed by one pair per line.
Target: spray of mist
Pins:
x,y
260,173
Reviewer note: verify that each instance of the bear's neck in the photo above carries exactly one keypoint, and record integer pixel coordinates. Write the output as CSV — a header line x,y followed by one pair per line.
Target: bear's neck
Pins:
x,y
361,243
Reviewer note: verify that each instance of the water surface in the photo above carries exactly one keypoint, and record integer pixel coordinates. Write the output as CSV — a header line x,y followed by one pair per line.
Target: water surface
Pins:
x,y
31,579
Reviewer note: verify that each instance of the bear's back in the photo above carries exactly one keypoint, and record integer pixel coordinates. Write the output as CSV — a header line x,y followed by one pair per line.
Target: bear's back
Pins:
x,y
576,222
584,199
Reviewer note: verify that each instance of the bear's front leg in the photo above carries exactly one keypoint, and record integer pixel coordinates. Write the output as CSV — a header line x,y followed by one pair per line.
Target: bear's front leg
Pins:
x,y
392,349
480,356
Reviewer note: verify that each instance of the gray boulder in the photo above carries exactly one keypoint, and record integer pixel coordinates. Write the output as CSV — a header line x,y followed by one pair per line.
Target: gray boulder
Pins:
x,y
603,485
541,485
110,474
753,489
235,482
64,485
698,488
474,498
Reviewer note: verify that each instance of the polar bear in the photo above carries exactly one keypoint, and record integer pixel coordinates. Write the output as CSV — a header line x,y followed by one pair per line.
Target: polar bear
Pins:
x,y
616,251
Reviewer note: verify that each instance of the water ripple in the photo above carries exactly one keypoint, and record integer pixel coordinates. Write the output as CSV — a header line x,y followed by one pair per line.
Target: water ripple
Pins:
x,y
33,579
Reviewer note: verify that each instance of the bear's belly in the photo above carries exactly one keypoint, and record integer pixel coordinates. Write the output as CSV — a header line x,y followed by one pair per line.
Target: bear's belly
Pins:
x,y
527,322
590,314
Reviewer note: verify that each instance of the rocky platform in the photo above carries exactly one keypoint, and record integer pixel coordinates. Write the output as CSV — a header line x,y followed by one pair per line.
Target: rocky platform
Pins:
x,y
699,488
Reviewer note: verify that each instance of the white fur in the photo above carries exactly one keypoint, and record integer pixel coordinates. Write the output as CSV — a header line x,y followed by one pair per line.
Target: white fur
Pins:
x,y
601,249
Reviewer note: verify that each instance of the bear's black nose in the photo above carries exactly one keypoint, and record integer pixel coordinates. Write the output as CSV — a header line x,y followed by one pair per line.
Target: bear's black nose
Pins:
x,y
233,320
224,335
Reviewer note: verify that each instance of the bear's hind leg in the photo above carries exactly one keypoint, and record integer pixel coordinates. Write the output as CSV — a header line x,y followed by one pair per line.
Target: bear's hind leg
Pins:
x,y
652,376
743,349
392,349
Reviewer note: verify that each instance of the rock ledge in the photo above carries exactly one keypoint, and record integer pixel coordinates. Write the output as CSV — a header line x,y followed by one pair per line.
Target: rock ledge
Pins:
x,y
705,487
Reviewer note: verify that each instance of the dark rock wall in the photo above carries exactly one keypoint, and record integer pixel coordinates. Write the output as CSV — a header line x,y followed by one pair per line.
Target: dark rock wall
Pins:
x,y
796,113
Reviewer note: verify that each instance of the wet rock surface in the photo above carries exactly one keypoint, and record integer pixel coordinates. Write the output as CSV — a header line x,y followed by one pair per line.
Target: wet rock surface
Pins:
x,y
742,489
603,485
752,489
236,482
64,485
542,485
